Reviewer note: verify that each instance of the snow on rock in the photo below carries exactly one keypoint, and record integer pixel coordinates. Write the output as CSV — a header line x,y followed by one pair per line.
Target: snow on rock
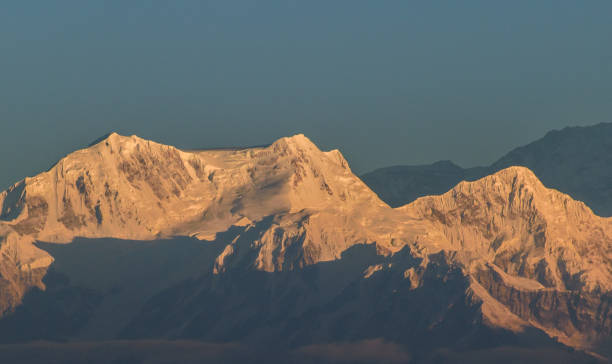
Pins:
x,y
290,204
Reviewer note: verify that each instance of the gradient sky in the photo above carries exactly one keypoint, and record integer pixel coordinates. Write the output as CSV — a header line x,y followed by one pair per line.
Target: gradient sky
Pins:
x,y
386,82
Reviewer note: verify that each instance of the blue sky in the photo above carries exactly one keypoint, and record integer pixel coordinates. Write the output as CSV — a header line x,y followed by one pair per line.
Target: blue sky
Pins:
x,y
387,82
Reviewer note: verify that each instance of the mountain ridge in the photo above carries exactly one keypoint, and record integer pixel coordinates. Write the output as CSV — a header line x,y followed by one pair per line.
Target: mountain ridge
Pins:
x,y
573,160
510,245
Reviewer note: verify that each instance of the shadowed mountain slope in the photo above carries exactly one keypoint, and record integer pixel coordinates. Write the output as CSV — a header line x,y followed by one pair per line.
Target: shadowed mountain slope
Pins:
x,y
574,160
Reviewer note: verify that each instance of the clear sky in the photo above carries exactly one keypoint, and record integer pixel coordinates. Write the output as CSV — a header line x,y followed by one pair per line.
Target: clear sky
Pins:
x,y
386,82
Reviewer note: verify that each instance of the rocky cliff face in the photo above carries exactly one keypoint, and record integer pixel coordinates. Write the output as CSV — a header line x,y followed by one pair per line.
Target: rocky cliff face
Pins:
x,y
284,241
542,255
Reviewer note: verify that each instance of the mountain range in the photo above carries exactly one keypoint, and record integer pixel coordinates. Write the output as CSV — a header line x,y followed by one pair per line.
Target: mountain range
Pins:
x,y
574,160
283,249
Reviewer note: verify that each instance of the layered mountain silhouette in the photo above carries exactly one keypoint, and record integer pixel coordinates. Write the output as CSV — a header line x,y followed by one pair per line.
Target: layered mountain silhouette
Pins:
x,y
283,246
574,160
